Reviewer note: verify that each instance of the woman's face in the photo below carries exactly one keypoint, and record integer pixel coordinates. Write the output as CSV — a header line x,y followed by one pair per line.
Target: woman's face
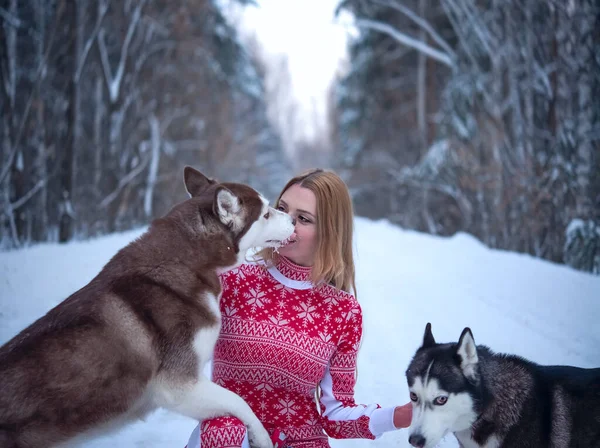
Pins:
x,y
301,204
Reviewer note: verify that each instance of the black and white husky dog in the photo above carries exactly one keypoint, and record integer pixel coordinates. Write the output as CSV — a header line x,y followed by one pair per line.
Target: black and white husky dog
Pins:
x,y
493,400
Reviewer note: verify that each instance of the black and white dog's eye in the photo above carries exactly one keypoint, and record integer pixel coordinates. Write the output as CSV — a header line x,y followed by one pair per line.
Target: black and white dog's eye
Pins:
x,y
266,215
413,396
441,400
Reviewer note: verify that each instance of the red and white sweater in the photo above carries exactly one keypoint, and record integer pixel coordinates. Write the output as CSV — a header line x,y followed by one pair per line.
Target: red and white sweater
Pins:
x,y
280,337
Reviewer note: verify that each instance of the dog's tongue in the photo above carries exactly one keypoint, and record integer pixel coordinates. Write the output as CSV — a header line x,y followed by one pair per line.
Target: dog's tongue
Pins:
x,y
290,238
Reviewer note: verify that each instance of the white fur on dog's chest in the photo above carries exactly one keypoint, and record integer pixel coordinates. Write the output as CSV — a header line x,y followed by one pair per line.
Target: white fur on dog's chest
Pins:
x,y
206,338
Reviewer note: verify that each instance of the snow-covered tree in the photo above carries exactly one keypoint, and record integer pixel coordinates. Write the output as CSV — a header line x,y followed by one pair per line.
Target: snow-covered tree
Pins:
x,y
517,115
582,246
102,104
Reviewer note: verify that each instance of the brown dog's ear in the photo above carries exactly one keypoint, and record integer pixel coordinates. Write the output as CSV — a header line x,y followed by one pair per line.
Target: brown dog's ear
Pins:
x,y
195,182
428,340
227,207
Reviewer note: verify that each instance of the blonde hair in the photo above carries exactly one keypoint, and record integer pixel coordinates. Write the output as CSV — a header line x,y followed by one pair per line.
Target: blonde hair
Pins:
x,y
334,260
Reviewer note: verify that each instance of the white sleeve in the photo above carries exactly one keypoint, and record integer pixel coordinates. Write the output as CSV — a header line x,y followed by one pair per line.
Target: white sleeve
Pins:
x,y
380,419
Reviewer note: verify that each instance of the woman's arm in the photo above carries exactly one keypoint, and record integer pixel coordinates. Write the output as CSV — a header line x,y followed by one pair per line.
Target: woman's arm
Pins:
x,y
341,416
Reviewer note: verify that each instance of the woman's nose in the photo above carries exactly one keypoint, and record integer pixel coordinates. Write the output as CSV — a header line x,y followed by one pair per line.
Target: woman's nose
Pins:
x,y
293,221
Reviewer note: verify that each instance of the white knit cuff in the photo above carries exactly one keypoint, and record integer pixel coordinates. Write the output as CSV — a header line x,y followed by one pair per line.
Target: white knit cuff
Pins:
x,y
382,420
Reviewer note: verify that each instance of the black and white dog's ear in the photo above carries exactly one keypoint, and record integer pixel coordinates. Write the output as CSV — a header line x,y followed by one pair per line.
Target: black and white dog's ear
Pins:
x,y
428,340
195,182
227,207
467,352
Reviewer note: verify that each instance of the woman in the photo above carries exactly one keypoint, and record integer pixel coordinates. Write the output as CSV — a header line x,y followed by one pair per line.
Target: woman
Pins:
x,y
292,328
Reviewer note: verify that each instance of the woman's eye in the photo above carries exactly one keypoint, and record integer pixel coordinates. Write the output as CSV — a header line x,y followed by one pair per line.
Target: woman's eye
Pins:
x,y
280,208
440,401
303,219
413,396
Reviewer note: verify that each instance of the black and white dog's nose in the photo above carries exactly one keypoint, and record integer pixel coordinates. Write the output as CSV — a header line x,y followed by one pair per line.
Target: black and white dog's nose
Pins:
x,y
417,440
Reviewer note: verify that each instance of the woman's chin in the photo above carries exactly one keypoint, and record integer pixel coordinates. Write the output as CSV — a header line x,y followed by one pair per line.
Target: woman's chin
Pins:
x,y
285,251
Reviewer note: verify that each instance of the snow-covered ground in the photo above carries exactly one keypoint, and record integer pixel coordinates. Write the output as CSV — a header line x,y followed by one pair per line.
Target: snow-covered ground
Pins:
x,y
513,303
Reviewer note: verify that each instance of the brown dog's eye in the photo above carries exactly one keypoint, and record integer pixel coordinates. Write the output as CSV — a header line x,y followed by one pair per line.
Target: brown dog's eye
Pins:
x,y
267,215
440,401
413,396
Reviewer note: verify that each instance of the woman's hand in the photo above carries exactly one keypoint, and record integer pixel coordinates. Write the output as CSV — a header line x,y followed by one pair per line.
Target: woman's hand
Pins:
x,y
403,416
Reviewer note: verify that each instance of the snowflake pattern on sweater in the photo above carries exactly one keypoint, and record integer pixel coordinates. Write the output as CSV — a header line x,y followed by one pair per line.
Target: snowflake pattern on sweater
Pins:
x,y
280,338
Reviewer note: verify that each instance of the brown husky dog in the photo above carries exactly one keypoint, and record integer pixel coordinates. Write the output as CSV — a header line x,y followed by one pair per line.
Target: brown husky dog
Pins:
x,y
138,336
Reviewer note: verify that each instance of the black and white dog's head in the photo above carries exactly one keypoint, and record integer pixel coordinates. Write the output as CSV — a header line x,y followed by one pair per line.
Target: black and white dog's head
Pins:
x,y
235,213
443,381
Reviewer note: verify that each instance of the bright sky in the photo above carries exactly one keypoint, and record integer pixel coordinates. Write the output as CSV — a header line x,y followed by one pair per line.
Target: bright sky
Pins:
x,y
313,39
513,303
308,32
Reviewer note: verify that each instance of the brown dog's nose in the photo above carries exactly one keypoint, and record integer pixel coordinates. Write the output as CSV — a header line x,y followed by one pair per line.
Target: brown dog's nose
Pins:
x,y
417,440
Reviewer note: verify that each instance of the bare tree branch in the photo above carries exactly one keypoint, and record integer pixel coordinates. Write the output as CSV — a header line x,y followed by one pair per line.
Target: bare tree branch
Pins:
x,y
404,39
10,19
11,218
38,78
155,146
23,200
102,10
480,30
113,82
421,22
123,183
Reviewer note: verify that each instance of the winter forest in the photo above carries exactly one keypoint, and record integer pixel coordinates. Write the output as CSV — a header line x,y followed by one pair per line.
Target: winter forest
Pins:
x,y
476,116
